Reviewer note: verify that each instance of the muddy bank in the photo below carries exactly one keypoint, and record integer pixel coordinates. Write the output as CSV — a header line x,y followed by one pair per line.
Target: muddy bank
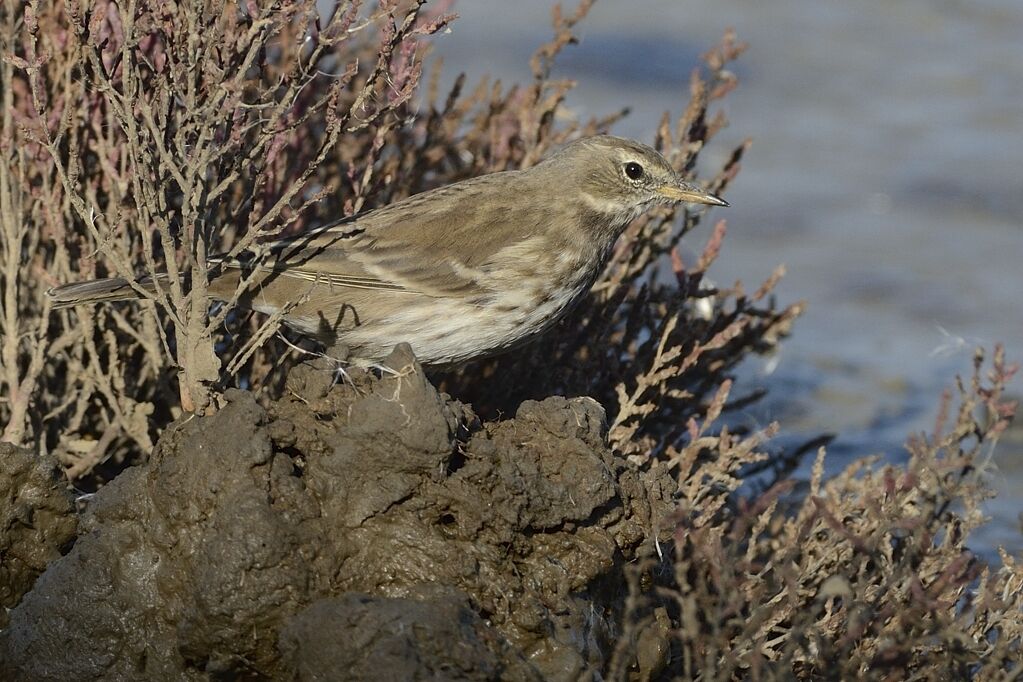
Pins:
x,y
375,528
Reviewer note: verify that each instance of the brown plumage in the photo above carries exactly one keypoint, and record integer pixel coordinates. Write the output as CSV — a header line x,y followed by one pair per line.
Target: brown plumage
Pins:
x,y
460,272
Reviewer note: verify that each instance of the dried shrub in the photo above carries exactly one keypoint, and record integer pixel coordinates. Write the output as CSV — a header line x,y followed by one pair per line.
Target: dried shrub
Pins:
x,y
140,138
868,576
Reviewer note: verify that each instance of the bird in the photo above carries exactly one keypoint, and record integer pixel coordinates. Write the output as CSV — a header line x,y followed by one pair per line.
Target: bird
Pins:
x,y
461,272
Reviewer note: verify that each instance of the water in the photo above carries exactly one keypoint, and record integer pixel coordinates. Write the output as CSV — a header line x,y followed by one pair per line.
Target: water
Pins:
x,y
885,172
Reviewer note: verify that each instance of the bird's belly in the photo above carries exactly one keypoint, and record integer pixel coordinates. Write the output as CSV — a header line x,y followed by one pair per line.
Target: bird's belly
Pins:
x,y
447,331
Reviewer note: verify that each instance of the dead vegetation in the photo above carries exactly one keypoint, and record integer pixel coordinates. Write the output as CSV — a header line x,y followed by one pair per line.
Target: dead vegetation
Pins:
x,y
868,575
140,137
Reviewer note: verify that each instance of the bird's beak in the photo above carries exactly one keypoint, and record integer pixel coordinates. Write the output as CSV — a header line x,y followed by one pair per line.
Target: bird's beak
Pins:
x,y
688,192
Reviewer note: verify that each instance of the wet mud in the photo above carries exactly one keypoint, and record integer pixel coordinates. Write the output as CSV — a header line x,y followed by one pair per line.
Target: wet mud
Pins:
x,y
369,529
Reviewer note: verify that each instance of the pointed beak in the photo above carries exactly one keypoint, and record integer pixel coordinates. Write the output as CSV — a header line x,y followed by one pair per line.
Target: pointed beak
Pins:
x,y
688,192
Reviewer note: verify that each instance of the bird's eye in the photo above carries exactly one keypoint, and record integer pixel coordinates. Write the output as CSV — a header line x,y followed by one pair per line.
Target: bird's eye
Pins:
x,y
633,170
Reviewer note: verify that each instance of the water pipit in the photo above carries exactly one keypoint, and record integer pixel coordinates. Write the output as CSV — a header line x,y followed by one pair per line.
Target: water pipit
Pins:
x,y
460,272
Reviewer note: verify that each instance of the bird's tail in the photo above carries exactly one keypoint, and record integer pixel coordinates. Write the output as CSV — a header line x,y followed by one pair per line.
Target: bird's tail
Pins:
x,y
101,290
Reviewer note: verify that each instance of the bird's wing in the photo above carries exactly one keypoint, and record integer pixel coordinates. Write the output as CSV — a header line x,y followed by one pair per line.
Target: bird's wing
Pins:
x,y
437,243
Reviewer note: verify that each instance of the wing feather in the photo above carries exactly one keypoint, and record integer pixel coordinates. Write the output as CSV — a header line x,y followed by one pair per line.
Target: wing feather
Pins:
x,y
436,244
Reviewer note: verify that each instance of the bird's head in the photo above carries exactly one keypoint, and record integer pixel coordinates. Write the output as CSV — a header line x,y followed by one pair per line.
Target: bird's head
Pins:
x,y
620,179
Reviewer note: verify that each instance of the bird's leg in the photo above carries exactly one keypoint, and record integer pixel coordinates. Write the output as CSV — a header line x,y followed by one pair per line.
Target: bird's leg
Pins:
x,y
337,354
383,369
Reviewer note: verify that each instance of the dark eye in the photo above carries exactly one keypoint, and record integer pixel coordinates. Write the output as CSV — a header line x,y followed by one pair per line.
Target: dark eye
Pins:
x,y
633,170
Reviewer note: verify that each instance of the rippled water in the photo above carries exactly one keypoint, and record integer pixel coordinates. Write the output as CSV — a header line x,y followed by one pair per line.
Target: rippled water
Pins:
x,y
886,172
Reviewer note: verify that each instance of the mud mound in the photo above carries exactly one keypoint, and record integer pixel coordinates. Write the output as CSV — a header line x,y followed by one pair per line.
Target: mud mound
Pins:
x,y
36,521
371,528
436,636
